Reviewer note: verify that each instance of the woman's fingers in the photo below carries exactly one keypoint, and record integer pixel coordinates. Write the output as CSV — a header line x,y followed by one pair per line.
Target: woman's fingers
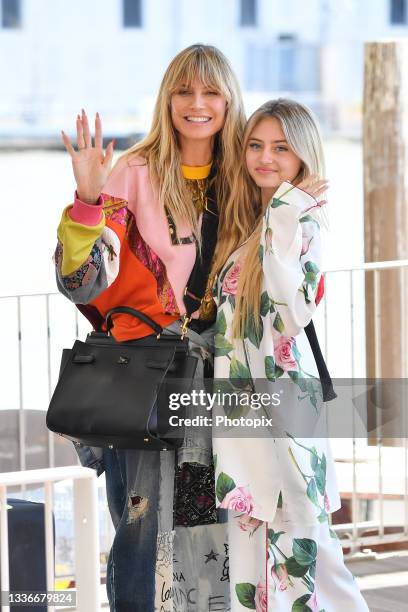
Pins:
x,y
108,154
314,185
67,144
84,138
98,132
319,190
319,184
305,182
80,134
312,180
86,130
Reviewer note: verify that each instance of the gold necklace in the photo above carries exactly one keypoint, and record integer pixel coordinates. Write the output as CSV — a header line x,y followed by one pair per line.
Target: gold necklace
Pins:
x,y
208,309
198,191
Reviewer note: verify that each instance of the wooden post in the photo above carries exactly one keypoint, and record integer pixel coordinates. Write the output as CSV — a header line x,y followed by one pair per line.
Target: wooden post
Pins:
x,y
385,147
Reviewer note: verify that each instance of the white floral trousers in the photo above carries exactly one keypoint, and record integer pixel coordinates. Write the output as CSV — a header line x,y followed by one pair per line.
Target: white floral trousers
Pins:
x,y
284,567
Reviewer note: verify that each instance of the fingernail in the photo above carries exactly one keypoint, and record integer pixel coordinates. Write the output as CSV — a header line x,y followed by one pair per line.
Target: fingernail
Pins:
x,y
113,142
97,114
83,112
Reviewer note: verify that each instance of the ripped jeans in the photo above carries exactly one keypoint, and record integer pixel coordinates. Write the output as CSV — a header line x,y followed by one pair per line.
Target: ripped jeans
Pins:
x,y
139,486
140,492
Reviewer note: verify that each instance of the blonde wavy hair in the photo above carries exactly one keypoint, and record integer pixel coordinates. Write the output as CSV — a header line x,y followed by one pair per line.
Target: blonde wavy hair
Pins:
x,y
160,146
244,209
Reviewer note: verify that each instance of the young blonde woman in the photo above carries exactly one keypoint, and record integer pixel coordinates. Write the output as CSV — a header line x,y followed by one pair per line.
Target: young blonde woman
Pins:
x,y
136,236
279,490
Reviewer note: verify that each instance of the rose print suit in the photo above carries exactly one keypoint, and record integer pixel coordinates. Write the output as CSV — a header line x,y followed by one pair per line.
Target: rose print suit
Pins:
x,y
279,490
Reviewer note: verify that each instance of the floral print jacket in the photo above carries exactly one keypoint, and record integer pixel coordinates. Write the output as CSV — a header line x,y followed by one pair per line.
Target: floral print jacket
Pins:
x,y
253,474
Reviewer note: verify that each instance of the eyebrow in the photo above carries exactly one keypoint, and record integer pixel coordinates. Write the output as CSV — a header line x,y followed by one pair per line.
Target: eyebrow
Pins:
x,y
187,86
274,141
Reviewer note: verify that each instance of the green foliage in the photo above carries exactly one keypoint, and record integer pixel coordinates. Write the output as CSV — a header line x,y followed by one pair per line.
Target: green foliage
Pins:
x,y
225,484
246,594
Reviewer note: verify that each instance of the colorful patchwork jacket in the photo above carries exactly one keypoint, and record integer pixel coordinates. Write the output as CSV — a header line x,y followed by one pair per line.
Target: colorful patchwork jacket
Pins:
x,y
122,251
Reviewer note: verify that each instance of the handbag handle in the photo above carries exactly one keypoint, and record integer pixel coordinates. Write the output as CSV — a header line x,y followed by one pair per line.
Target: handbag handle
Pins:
x,y
136,313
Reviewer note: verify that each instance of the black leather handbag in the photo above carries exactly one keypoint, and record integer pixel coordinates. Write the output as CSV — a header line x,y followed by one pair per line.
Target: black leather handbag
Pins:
x,y
115,394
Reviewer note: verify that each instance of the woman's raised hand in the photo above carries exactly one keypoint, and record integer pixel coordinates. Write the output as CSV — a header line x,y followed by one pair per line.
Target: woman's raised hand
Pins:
x,y
90,164
314,186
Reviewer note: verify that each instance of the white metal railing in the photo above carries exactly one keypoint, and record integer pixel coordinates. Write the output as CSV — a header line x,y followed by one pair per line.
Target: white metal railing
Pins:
x,y
352,537
86,529
351,533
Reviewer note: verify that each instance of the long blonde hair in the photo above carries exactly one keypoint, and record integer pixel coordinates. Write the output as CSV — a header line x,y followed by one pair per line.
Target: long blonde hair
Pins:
x,y
244,208
160,147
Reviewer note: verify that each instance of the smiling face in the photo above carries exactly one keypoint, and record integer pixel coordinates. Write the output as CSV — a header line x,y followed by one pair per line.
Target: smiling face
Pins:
x,y
269,159
197,111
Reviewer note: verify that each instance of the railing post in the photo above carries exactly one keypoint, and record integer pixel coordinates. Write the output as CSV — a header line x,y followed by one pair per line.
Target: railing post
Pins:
x,y
354,499
4,551
378,374
404,349
87,553
21,413
51,445
49,538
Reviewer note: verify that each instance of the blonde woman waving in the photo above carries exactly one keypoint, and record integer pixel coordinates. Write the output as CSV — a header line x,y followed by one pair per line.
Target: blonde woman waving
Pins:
x,y
136,236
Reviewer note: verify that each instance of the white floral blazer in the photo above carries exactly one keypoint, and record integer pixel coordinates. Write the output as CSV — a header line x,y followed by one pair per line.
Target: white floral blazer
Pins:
x,y
254,475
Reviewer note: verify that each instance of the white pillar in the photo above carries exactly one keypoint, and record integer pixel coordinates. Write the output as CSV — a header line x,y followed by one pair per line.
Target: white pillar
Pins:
x,y
87,553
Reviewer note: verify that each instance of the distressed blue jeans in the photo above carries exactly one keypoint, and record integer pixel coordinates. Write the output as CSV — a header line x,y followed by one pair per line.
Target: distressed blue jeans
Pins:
x,y
139,485
140,491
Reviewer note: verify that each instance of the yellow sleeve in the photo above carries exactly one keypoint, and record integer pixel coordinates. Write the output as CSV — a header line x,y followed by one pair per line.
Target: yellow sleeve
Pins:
x,y
77,241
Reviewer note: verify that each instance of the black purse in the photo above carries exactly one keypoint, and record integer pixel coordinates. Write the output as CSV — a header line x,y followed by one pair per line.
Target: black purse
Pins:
x,y
116,394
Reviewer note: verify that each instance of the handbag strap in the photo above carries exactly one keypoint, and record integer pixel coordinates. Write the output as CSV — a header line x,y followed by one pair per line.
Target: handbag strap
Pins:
x,y
197,282
325,378
136,313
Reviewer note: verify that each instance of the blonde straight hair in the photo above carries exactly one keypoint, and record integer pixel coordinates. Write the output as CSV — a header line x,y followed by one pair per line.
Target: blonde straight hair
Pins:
x,y
160,147
244,208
